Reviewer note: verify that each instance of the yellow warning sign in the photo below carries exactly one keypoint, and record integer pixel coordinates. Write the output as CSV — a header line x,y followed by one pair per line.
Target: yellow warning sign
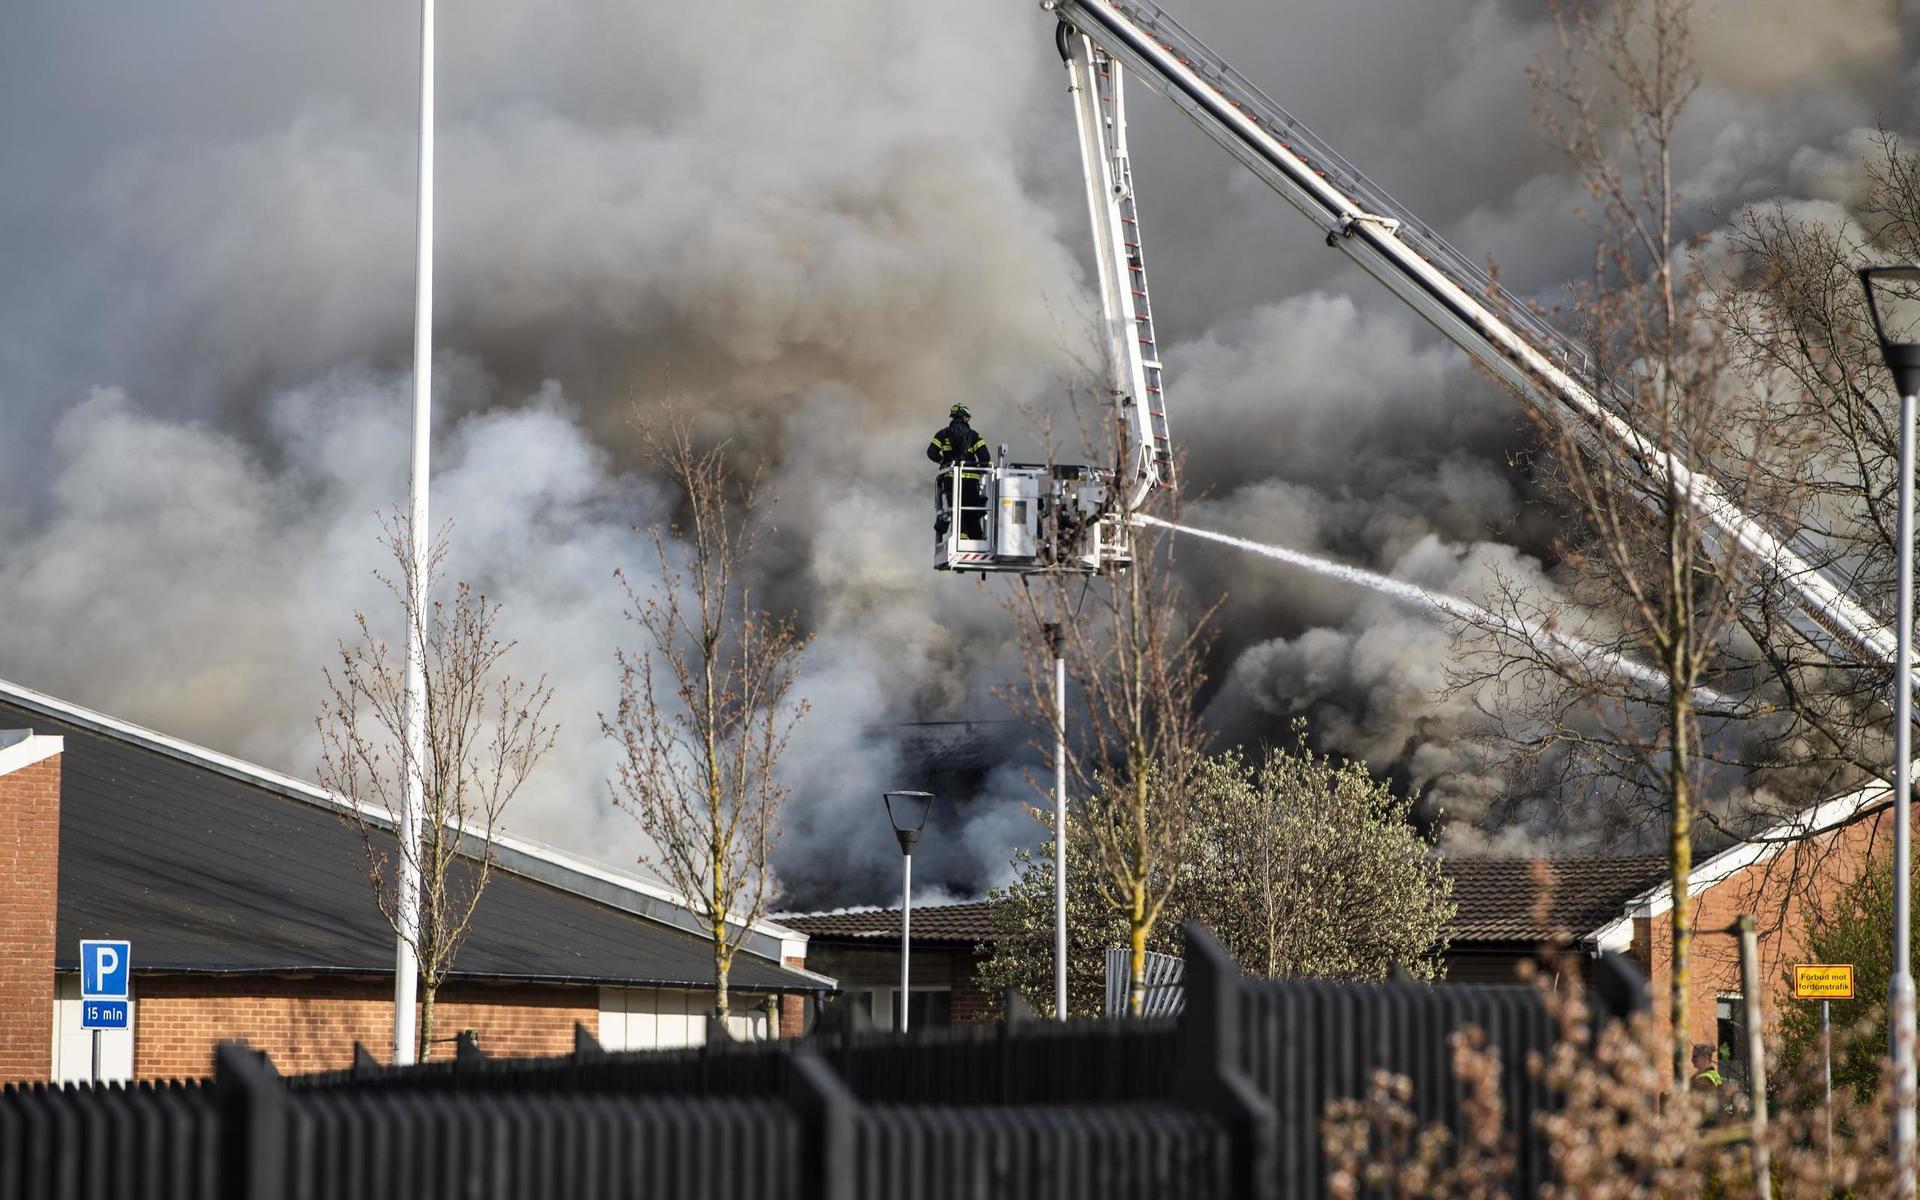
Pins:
x,y
1823,981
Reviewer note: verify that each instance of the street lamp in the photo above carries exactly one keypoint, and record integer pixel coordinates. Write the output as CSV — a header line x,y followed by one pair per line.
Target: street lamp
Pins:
x,y
1893,303
907,813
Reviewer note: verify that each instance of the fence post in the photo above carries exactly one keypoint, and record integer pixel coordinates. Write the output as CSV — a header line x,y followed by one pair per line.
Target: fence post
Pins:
x,y
1210,1078
1619,986
1756,1056
585,1045
826,1108
252,1103
1013,1048
467,1051
835,1026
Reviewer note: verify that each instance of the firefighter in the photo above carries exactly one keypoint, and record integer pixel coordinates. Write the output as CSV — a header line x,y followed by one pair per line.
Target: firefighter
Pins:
x,y
958,443
959,446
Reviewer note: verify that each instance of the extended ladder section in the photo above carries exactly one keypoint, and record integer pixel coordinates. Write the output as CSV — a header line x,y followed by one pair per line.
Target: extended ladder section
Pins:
x,y
1098,86
1416,264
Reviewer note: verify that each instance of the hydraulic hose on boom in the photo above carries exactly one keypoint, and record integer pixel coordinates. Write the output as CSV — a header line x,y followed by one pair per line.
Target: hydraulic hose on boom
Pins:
x,y
1442,285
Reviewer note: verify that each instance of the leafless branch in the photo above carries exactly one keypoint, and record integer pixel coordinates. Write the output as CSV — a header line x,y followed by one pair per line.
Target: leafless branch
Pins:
x,y
705,704
485,733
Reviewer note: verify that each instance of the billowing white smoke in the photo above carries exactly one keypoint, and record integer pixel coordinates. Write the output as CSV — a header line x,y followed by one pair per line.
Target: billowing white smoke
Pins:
x,y
181,581
819,226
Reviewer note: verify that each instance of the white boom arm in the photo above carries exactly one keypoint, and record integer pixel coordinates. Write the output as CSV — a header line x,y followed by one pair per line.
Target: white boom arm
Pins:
x,y
1097,85
1443,286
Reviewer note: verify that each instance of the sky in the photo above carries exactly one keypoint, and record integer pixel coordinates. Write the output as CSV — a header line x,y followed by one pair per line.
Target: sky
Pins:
x,y
817,228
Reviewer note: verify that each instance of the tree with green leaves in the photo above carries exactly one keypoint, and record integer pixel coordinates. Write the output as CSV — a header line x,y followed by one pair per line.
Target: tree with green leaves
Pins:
x,y
1021,953
1310,867
1302,865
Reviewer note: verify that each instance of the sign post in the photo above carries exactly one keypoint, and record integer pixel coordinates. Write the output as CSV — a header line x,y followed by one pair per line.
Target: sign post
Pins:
x,y
106,967
1824,982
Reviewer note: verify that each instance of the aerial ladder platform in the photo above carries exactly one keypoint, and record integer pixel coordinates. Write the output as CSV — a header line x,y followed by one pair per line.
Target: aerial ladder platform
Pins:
x,y
1027,518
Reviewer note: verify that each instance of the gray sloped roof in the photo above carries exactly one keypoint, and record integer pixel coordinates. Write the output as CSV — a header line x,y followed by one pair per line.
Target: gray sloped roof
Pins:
x,y
205,872
1535,899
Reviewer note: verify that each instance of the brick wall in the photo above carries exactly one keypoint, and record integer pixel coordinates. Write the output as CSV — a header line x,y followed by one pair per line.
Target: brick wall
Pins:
x,y
29,890
793,1009
1778,894
311,1024
969,1002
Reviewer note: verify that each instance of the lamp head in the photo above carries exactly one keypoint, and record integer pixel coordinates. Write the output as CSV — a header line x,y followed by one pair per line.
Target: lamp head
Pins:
x,y
1893,304
907,813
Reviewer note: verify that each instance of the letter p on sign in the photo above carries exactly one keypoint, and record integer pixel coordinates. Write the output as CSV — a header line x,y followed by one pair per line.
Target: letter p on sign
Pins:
x,y
104,967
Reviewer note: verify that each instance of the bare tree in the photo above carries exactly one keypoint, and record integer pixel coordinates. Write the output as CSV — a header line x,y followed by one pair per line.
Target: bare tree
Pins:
x,y
1653,597
705,706
1795,319
485,733
1136,654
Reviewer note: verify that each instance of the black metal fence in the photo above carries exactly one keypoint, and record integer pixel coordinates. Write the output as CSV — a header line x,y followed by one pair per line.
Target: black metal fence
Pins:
x,y
1224,1101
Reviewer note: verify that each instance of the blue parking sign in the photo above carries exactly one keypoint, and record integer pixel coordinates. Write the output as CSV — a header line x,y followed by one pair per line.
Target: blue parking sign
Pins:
x,y
105,968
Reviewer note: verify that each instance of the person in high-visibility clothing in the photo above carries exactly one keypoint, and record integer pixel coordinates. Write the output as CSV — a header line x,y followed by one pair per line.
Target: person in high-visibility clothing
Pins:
x,y
1723,1103
959,446
1706,1068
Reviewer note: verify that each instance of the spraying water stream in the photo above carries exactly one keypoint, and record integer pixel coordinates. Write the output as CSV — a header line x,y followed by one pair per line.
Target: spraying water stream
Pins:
x,y
1577,649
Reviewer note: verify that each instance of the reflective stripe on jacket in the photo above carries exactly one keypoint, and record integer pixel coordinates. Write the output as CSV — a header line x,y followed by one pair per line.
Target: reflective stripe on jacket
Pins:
x,y
958,443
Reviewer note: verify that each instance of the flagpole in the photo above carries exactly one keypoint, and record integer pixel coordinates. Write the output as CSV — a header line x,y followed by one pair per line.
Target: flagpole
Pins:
x,y
406,967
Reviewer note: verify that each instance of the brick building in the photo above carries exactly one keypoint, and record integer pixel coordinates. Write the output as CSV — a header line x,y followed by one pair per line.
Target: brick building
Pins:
x,y
1778,876
245,896
1510,910
860,948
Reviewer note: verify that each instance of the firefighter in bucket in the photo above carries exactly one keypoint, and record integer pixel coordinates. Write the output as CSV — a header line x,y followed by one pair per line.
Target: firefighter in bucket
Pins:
x,y
959,446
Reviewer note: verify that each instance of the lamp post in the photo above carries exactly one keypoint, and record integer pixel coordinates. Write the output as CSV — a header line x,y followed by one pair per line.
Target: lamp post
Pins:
x,y
1056,642
1893,303
907,813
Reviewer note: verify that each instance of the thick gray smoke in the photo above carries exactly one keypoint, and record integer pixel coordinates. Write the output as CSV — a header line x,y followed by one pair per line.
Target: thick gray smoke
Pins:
x,y
820,227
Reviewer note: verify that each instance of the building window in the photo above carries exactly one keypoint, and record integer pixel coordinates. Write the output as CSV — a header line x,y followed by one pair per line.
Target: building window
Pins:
x,y
927,1007
1730,1036
662,1018
73,1046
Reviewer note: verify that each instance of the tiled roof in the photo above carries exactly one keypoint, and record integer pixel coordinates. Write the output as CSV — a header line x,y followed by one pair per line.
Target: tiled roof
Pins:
x,y
971,922
1499,899
1533,899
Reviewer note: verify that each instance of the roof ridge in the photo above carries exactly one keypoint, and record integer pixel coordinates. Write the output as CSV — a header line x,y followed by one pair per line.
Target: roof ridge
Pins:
x,y
856,910
525,857
1550,858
